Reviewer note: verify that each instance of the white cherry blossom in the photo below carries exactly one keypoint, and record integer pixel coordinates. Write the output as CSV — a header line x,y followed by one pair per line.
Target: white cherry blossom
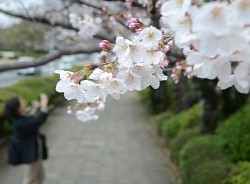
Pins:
x,y
214,14
63,74
150,37
122,48
93,91
153,56
115,87
106,77
96,74
219,35
131,80
87,25
71,90
240,12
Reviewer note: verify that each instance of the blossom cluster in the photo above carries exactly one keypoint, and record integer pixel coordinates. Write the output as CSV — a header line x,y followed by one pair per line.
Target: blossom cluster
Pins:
x,y
181,68
88,113
136,65
85,112
215,37
87,25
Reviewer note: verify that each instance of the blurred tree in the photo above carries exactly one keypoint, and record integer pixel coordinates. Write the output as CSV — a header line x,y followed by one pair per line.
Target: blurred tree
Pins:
x,y
24,37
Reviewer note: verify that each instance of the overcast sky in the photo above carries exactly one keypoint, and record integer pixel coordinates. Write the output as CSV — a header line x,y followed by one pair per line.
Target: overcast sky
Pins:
x,y
16,6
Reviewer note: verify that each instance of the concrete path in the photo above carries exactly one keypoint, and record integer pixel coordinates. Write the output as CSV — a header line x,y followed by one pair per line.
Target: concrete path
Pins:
x,y
117,149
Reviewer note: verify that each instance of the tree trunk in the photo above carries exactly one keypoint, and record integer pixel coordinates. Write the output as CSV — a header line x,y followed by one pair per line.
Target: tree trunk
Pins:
x,y
158,98
210,99
232,100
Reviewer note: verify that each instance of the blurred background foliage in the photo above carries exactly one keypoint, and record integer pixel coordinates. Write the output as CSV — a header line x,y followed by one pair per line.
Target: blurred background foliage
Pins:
x,y
206,130
24,37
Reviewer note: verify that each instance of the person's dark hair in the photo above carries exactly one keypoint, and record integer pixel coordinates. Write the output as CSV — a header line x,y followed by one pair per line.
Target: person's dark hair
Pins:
x,y
11,107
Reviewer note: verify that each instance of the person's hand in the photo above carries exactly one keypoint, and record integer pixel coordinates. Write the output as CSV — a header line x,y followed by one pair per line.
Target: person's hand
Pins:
x,y
44,101
35,104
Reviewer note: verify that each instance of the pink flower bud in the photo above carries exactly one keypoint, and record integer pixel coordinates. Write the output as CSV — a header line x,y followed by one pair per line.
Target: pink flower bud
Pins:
x,y
106,45
134,26
164,63
69,110
171,42
189,69
77,77
139,30
136,20
166,48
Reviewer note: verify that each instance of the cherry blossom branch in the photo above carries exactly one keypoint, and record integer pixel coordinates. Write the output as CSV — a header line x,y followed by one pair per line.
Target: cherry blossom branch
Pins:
x,y
88,4
134,4
46,21
45,59
101,10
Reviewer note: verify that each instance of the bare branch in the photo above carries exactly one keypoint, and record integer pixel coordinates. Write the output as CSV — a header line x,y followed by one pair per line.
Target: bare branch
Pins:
x,y
45,59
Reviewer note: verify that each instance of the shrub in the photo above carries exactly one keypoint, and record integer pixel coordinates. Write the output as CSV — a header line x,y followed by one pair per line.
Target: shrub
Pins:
x,y
203,162
234,135
180,141
241,173
159,119
5,94
181,122
145,97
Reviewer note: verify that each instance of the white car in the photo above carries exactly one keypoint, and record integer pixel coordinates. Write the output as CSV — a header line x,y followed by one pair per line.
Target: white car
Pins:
x,y
30,70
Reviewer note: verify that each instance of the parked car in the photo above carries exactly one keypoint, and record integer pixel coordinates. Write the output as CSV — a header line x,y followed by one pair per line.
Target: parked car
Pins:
x,y
30,70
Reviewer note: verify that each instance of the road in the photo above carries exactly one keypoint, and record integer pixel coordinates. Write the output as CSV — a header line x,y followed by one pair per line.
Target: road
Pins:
x,y
9,78
117,149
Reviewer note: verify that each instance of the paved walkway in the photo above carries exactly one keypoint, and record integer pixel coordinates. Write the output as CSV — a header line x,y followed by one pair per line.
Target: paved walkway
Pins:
x,y
117,149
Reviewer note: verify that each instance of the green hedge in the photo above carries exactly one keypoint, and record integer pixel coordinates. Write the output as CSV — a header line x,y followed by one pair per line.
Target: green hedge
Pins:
x,y
241,173
234,134
30,89
181,122
160,119
180,141
203,162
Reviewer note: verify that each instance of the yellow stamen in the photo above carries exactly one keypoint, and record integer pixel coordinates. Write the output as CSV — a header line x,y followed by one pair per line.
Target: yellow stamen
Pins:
x,y
216,12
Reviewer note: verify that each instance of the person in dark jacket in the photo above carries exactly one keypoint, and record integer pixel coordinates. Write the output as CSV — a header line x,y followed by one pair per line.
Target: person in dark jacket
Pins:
x,y
25,147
